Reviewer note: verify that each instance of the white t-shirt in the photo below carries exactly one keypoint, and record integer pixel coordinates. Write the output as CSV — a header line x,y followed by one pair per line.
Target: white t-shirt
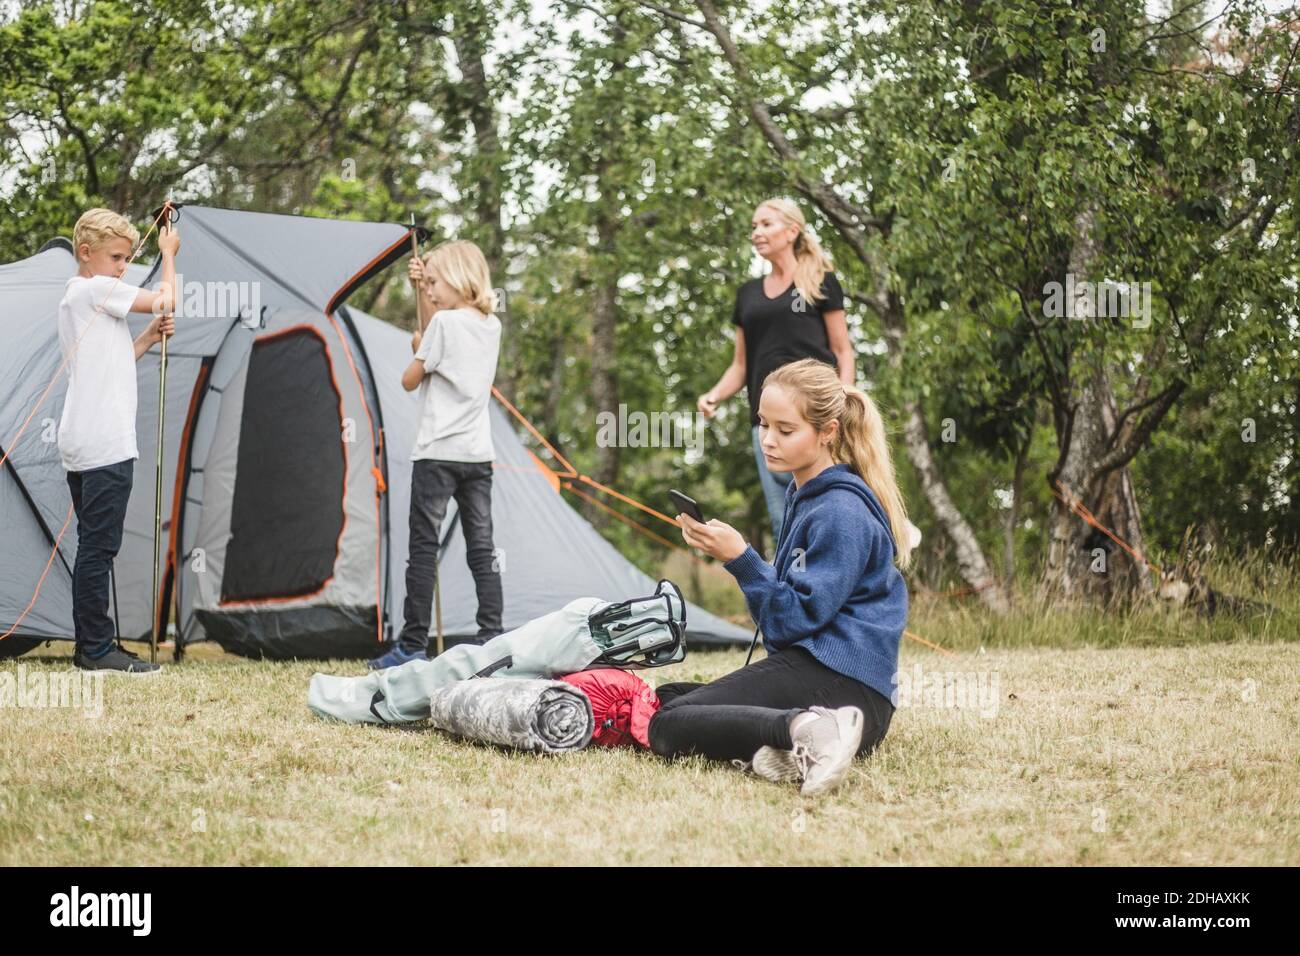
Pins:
x,y
98,423
459,351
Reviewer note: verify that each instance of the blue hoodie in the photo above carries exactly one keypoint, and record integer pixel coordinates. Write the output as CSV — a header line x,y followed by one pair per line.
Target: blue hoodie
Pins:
x,y
835,589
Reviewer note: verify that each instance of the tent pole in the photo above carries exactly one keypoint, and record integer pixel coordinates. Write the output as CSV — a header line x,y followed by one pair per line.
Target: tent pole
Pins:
x,y
440,644
157,500
168,216
437,581
117,621
415,251
437,610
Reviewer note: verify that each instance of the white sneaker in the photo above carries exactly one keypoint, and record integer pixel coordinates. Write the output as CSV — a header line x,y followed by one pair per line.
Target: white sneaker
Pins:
x,y
824,747
779,766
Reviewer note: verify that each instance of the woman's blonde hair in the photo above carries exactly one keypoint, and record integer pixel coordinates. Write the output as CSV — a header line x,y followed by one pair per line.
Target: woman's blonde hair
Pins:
x,y
462,266
98,226
810,262
860,441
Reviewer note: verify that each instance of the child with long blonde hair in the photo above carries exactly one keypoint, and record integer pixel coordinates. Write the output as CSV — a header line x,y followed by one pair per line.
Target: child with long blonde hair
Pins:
x,y
455,361
831,606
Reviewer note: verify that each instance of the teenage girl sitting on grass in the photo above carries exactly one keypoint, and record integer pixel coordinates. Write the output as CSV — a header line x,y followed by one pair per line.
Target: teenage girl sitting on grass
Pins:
x,y
831,608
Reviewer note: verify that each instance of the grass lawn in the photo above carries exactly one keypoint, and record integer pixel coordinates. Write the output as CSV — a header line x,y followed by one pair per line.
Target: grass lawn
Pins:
x,y
1126,753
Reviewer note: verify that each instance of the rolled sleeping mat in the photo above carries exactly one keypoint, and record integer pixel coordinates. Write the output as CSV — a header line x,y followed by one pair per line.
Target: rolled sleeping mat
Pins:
x,y
544,716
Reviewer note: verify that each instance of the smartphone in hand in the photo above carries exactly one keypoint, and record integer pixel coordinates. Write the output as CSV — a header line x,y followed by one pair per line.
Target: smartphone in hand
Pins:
x,y
685,504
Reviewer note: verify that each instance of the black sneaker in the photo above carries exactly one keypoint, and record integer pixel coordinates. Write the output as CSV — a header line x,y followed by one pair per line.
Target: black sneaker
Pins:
x,y
116,661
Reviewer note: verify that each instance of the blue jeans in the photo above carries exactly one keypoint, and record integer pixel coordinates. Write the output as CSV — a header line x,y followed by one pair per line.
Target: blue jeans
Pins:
x,y
99,498
774,485
433,483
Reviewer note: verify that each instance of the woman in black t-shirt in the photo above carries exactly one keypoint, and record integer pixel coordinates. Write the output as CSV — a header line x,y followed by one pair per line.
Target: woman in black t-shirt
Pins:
x,y
794,312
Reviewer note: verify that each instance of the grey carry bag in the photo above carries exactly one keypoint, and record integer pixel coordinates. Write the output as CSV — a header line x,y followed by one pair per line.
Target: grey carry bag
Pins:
x,y
548,646
585,633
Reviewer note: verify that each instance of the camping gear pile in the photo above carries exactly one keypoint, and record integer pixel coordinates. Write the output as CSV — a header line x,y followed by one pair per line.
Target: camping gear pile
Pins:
x,y
461,690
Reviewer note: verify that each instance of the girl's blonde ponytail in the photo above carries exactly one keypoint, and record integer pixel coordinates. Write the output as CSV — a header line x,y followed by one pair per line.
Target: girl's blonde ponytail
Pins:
x,y
862,443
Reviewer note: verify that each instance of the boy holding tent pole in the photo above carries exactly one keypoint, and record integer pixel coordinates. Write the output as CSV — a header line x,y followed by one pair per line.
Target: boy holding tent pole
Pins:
x,y
455,361
97,429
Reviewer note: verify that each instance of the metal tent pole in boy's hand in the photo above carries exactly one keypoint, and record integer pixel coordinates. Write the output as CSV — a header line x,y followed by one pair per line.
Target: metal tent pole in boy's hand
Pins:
x,y
437,575
169,217
415,251
157,500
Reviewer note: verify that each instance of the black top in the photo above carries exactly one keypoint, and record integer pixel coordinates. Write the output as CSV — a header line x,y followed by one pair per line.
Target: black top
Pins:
x,y
782,330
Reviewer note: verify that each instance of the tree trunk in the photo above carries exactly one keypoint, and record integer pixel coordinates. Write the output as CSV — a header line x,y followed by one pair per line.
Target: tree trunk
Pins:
x,y
1082,561
604,315
971,562
555,388
970,557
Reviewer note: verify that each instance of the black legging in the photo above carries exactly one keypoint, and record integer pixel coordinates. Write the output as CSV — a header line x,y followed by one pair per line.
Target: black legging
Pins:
x,y
732,717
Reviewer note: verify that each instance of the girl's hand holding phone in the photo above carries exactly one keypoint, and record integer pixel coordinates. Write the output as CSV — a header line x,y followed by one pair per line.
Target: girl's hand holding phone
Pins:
x,y
716,538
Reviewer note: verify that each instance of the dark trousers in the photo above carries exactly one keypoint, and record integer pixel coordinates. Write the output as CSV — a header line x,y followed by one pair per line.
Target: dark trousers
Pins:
x,y
732,717
433,484
99,498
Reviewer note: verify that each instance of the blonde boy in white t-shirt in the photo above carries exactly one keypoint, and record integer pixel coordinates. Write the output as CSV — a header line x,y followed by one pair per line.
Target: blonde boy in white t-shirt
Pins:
x,y
455,361
97,429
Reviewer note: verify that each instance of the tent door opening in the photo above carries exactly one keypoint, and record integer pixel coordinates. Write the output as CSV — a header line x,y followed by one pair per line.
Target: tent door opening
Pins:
x,y
287,508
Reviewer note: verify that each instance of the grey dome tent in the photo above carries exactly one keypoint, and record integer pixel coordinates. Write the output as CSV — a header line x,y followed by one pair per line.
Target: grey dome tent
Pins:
x,y
286,466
